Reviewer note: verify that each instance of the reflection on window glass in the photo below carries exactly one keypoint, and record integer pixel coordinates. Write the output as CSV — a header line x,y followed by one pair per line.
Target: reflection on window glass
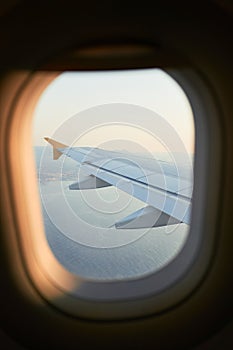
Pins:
x,y
114,156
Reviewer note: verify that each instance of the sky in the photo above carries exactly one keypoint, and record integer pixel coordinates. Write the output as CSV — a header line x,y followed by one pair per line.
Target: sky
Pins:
x,y
104,109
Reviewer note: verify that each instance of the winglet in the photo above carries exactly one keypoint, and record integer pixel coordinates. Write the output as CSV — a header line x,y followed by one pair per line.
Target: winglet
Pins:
x,y
56,145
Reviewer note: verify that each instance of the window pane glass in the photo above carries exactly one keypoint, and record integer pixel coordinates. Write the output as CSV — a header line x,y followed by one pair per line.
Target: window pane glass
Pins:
x,y
117,203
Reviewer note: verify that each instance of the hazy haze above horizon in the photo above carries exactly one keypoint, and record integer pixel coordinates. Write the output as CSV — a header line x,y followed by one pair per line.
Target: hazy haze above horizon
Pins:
x,y
74,93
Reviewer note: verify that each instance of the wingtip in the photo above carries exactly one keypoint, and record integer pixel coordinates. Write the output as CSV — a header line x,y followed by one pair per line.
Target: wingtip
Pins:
x,y
56,145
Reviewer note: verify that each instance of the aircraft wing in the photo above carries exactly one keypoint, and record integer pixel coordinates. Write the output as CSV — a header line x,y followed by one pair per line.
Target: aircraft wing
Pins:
x,y
166,189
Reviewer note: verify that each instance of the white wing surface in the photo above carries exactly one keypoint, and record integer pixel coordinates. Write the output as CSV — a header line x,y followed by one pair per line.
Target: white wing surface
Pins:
x,y
165,187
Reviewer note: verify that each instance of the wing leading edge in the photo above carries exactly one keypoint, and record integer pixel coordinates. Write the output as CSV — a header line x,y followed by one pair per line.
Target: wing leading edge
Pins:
x,y
166,190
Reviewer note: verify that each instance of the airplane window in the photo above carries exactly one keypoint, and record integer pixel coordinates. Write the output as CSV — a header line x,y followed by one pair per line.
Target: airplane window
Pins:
x,y
114,153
